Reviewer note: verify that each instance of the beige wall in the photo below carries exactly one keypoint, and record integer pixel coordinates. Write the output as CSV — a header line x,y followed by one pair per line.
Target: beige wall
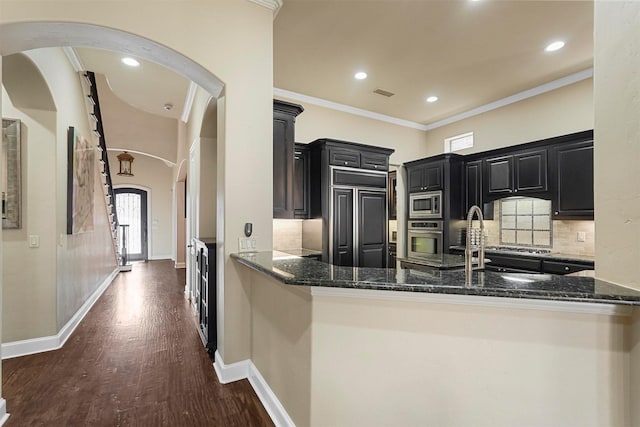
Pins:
x,y
83,260
617,194
29,294
380,363
208,187
559,112
157,178
281,342
321,122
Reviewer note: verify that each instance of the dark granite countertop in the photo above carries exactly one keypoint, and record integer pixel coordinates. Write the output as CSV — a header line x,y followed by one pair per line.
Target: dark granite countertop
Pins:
x,y
442,261
302,252
306,272
553,256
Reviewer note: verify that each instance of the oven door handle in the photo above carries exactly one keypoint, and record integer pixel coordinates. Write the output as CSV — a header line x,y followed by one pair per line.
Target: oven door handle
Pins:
x,y
424,232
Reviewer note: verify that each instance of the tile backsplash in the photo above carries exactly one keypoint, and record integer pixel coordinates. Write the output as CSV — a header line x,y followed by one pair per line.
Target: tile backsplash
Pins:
x,y
297,234
564,238
287,234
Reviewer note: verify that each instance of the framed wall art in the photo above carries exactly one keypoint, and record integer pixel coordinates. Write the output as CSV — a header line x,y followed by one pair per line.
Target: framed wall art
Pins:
x,y
80,183
10,174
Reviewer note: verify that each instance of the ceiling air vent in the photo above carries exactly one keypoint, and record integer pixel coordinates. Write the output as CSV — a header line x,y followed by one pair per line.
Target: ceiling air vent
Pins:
x,y
384,92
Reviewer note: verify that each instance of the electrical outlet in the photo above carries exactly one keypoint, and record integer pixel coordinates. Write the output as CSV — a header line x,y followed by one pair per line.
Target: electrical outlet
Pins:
x,y
247,244
582,236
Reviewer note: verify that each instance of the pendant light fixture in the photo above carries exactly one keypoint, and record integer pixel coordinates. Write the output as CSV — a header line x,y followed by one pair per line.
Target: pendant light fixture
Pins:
x,y
126,160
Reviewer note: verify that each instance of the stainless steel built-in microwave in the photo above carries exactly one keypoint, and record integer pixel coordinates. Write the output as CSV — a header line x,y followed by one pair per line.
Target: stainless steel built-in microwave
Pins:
x,y
425,205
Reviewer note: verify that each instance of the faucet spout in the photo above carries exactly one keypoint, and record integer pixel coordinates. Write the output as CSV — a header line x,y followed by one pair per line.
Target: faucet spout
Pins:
x,y
469,249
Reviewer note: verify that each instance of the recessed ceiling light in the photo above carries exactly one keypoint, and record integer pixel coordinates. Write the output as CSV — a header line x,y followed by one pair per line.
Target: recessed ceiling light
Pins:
x,y
361,75
557,45
130,61
432,99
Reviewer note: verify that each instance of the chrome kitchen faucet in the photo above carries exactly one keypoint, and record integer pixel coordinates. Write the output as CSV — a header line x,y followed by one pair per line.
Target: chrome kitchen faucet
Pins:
x,y
469,249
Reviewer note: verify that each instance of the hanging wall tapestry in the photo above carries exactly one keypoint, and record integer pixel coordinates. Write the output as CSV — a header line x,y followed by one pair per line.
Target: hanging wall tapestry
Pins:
x,y
80,185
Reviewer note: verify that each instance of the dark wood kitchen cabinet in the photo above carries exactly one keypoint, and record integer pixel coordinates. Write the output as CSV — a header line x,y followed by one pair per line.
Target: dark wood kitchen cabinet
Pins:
x,y
473,194
372,228
205,291
573,180
516,174
473,184
425,177
392,195
369,237
343,232
348,191
284,118
301,181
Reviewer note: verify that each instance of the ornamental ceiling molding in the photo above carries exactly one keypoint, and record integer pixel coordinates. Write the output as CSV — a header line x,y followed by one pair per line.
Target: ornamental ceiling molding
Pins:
x,y
274,5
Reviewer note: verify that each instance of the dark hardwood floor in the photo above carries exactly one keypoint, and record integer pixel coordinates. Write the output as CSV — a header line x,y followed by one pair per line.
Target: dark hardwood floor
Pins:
x,y
135,360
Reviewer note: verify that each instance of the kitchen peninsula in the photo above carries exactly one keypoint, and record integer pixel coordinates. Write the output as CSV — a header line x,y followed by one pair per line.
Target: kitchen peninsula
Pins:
x,y
362,346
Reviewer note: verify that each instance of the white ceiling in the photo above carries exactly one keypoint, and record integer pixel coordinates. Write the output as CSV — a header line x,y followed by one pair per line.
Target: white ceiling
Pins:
x,y
147,87
468,53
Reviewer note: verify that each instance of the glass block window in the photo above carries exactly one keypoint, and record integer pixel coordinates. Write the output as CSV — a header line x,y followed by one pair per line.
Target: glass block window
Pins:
x,y
525,221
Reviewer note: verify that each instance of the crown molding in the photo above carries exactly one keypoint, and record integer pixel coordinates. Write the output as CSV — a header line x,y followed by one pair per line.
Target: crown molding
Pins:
x,y
346,108
520,96
274,5
73,58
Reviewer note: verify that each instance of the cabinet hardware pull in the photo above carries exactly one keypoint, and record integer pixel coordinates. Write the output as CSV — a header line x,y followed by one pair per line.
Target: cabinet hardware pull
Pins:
x,y
566,268
556,212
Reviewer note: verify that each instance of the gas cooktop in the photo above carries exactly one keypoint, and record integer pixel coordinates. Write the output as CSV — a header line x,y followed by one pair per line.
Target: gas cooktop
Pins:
x,y
522,250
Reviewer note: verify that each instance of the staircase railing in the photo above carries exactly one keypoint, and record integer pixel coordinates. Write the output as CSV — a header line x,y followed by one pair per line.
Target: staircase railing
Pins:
x,y
95,116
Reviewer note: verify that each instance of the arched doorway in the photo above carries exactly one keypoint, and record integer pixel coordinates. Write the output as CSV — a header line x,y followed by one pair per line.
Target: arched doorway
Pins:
x,y
132,207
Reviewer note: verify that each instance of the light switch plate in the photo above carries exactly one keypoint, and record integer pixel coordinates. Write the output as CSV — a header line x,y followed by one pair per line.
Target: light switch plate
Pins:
x,y
582,236
247,244
34,241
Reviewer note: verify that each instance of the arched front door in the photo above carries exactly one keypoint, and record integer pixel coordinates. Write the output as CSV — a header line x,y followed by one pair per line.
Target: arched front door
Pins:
x,y
131,206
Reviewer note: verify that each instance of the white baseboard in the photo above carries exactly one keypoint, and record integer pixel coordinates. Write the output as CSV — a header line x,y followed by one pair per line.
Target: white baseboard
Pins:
x,y
180,265
268,398
230,373
157,257
54,342
246,369
3,411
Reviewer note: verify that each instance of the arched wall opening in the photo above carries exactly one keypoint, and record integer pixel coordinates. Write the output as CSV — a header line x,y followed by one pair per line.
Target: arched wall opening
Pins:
x,y
33,36
237,50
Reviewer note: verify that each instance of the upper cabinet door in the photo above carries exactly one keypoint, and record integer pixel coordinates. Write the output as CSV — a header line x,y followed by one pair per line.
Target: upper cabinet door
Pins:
x,y
473,185
301,182
392,196
425,177
282,166
573,180
499,176
284,119
415,176
433,176
530,171
523,173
